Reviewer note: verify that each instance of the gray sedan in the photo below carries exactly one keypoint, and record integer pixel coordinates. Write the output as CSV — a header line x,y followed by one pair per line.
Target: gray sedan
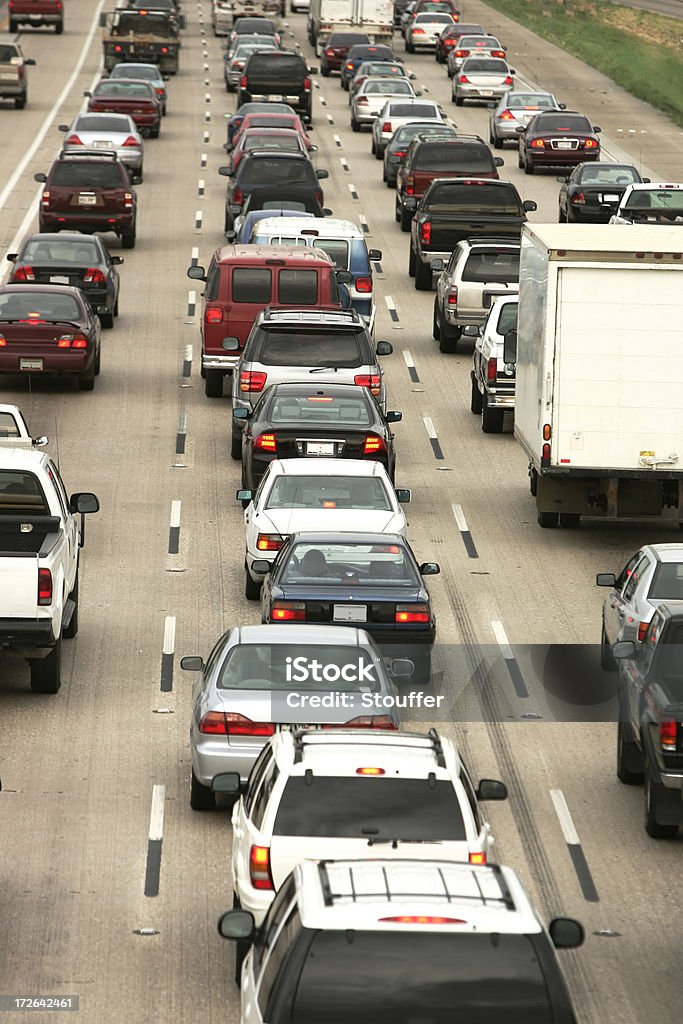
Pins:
x,y
653,575
397,147
109,132
482,78
373,94
514,109
244,692
145,73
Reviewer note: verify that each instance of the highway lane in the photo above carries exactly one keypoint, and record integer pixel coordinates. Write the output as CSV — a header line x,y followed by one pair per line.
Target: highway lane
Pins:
x,y
77,823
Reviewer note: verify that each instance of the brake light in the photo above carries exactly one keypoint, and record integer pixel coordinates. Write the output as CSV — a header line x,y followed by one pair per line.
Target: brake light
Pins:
x,y
406,613
452,297
131,141
642,630
213,724
266,443
94,275
373,772
243,82
25,273
386,127
464,79
478,858
667,736
497,53
579,199
269,542
213,315
46,199
508,80
373,444
117,49
426,232
349,67
364,284
462,53
538,144
545,455
3,341
72,341
239,725
307,85
362,101
591,144
400,152
491,368
237,196
507,115
368,380
252,380
370,722
159,92
410,185
259,868
329,53
128,200
414,919
44,587
319,196
73,140
418,31
164,49
290,611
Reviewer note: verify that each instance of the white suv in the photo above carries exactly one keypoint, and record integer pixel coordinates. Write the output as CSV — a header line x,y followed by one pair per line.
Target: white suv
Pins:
x,y
353,794
379,941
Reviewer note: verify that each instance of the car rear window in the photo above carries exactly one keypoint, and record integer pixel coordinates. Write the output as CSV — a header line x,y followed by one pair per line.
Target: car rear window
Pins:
x,y
490,67
135,71
409,131
8,54
528,100
270,121
284,347
347,39
267,667
102,123
667,582
362,564
433,19
386,87
87,174
56,251
438,156
285,143
490,42
337,249
656,199
265,171
378,807
36,306
297,287
276,65
501,267
331,492
8,426
562,123
412,109
507,320
374,52
302,409
608,175
20,492
483,198
125,88
251,284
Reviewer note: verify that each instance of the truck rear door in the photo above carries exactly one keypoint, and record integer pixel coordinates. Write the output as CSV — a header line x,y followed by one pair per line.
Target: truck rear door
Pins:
x,y
18,586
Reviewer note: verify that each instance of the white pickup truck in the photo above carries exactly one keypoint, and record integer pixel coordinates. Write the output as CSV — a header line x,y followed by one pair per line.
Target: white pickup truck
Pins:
x,y
40,539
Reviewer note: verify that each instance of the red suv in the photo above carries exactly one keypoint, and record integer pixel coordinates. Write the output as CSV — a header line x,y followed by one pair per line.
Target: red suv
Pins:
x,y
35,13
128,96
88,192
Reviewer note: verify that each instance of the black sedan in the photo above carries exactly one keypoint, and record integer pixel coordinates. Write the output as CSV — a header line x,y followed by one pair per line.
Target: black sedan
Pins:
x,y
71,258
370,581
592,192
330,421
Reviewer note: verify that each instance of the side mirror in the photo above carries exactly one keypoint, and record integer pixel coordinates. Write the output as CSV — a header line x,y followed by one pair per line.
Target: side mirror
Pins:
x,y
520,129
244,495
137,180
192,663
230,235
30,61
412,77
384,348
235,208
40,442
313,71
597,129
117,260
492,789
624,649
309,128
510,347
327,212
394,416
231,345
498,161
562,106
84,502
410,203
512,71
11,256
402,668
418,92
403,494
40,176
566,933
87,92
240,413
430,569
471,331
197,273
646,181
312,149
166,78
606,579
344,276
102,311
63,128
237,925
562,178
322,173
226,782
529,205
437,265
226,172
374,255
261,565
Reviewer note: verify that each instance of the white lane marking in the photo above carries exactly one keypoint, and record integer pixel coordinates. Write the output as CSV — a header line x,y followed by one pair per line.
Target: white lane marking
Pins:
x,y
169,634
207,97
201,185
502,640
203,159
569,832
182,424
198,217
207,136
175,513
352,190
460,518
188,353
409,361
207,115
337,141
194,256
430,428
390,303
156,815
363,223
191,301
330,118
344,162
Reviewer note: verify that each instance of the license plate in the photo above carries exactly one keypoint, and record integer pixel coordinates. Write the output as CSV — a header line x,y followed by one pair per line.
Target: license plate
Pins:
x,y
319,448
486,92
276,98
87,200
59,279
30,364
350,613
8,75
102,144
563,145
610,199
34,17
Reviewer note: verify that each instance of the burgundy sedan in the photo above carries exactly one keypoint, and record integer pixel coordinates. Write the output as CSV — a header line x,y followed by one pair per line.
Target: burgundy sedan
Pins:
x,y
128,96
49,330
557,139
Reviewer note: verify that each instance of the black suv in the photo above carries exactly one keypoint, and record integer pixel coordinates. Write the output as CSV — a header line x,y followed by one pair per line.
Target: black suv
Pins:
x,y
278,77
89,191
650,728
259,168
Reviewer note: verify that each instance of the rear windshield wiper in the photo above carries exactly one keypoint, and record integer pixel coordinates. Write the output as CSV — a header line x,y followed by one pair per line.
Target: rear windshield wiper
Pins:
x,y
319,369
374,841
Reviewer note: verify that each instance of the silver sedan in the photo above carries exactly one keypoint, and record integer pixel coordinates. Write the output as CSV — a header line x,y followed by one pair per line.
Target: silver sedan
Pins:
x,y
373,94
396,112
482,78
653,575
109,132
425,29
243,693
514,109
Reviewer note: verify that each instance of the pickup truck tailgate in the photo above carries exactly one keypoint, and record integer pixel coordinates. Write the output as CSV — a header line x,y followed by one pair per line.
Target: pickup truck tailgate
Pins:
x,y
18,587
447,230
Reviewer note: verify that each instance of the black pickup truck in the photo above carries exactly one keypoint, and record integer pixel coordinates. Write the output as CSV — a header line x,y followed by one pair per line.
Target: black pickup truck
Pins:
x,y
278,77
453,209
650,728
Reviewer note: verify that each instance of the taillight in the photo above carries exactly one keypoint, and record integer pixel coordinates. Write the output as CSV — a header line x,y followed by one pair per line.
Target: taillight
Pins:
x,y
307,85
329,53
117,49
46,199
426,232
159,92
406,613
507,81
164,49
237,196
418,31
492,368
319,196
240,725
507,115
3,341
72,341
131,141
579,199
266,443
538,144
452,299
349,67
410,185
213,315
478,858
73,140
497,53
386,127
213,724
269,542
369,722
364,284
462,53
288,611
400,152
368,380
422,919
373,444
94,275
243,82
642,630
362,101
259,868
464,79
25,273
44,587
252,380
128,200
591,144
667,736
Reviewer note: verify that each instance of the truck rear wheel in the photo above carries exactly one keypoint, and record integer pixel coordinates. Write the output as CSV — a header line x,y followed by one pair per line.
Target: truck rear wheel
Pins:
x,y
491,420
13,26
213,383
20,101
423,276
655,795
448,337
46,673
548,520
629,758
476,401
59,28
70,631
570,520
405,217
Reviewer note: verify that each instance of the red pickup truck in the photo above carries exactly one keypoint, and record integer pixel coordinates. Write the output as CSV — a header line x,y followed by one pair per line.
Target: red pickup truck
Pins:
x,y
36,13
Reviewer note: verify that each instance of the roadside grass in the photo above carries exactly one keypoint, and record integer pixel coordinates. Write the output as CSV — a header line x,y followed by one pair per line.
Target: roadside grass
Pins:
x,y
640,51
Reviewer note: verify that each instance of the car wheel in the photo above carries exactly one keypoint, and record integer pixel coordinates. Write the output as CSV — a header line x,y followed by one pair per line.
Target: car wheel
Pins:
x,y
69,632
87,381
236,446
654,795
449,71
325,72
46,673
423,276
422,672
607,660
373,145
252,588
476,400
20,101
405,218
561,217
630,769
412,259
355,127
97,362
520,162
202,798
458,100
379,153
491,420
13,26
107,320
448,337
59,28
409,47
213,384
116,306
570,520
548,520
497,143
154,132
435,321
528,167
128,239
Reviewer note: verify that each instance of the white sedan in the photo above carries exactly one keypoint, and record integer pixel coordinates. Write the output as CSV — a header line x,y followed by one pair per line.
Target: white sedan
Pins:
x,y
397,111
346,495
373,94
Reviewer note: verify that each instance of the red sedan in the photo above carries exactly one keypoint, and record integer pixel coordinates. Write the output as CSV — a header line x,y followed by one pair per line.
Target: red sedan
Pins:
x,y
291,121
128,96
557,139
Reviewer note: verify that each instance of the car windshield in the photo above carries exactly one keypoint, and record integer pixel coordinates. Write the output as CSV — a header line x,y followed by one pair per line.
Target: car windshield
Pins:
x,y
269,667
507,319
529,100
40,250
331,492
453,156
461,198
361,565
499,266
34,307
604,174
124,88
106,123
87,174
20,492
483,66
385,86
285,347
412,110
431,978
377,808
563,123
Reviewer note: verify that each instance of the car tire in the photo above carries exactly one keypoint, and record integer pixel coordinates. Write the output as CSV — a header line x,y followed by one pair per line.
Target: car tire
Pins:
x,y
570,520
59,28
607,660
140,177
528,167
548,520
491,420
20,101
70,631
561,217
520,162
202,798
236,446
373,146
355,126
13,26
98,356
116,306
498,143
412,259
476,399
435,320
449,72
630,767
458,100
87,381
405,218
128,239
213,383
107,320
422,673
654,795
449,337
423,276
379,153
252,588
154,132
325,72
46,673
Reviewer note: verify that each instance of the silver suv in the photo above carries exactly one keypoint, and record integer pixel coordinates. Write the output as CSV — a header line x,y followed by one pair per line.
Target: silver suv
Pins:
x,y
309,346
477,273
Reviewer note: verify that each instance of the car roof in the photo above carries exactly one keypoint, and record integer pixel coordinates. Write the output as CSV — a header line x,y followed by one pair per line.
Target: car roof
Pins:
x,y
291,633
23,458
243,252
49,289
652,186
323,227
665,552
317,467
407,754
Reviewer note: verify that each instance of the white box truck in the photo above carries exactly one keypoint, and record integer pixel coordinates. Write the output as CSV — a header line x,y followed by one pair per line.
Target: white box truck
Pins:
x,y
599,370
374,17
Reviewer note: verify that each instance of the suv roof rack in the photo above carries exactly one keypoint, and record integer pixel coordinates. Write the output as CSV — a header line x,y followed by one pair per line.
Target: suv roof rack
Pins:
x,y
390,894
300,736
496,239
314,315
